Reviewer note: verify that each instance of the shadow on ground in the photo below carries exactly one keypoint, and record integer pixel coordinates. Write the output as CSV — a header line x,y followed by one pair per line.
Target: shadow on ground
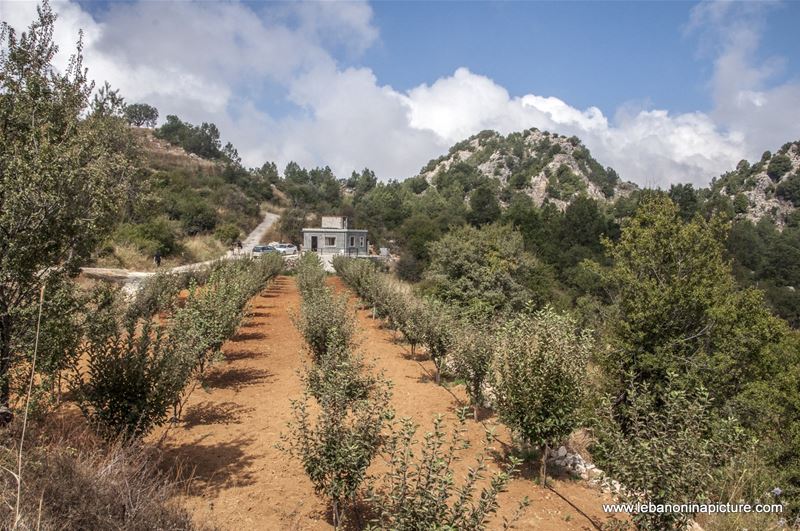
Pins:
x,y
214,413
236,377
206,466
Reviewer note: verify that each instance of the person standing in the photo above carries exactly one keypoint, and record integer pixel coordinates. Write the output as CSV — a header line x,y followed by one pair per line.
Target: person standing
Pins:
x,y
157,258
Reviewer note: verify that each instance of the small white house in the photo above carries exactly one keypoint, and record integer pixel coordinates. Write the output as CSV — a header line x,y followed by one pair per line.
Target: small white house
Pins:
x,y
334,237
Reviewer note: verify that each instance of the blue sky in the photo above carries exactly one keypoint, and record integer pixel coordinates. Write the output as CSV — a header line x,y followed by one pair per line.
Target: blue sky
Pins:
x,y
605,54
664,92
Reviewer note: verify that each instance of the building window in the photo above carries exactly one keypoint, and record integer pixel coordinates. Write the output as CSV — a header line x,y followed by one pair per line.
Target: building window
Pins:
x,y
361,242
352,241
330,241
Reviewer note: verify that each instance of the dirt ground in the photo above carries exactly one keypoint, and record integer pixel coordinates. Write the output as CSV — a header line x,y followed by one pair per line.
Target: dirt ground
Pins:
x,y
227,439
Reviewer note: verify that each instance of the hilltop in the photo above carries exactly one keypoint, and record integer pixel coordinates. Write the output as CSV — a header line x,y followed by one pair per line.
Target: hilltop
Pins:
x,y
540,164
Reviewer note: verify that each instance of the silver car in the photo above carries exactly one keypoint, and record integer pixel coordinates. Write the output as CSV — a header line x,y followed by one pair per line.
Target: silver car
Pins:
x,y
286,248
258,250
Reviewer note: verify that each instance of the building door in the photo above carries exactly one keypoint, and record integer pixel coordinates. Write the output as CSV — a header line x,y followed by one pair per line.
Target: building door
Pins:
x,y
314,244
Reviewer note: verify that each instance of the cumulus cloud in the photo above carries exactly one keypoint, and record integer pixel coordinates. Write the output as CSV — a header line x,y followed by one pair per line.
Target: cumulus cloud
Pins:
x,y
274,79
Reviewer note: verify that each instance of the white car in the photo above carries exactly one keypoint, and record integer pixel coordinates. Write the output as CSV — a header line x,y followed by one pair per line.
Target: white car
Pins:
x,y
285,248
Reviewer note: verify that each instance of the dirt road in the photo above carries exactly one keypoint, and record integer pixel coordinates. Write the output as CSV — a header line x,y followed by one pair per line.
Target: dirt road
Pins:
x,y
230,429
131,280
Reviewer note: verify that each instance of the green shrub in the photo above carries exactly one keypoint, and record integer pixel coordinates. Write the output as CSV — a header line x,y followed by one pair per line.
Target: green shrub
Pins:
x,y
778,166
310,275
539,378
157,234
133,374
666,450
419,491
325,319
438,333
472,354
227,233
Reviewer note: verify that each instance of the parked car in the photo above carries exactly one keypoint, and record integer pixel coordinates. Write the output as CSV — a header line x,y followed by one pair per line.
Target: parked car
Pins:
x,y
258,250
286,248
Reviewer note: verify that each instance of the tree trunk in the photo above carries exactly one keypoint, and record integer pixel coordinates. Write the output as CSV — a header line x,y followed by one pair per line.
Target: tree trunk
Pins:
x,y
5,359
543,467
475,412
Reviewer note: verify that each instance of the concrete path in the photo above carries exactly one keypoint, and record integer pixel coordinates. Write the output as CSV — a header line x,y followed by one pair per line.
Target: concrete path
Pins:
x,y
131,280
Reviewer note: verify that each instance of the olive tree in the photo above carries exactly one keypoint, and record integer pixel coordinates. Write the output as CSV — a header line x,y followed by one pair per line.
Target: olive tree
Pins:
x,y
63,172
539,377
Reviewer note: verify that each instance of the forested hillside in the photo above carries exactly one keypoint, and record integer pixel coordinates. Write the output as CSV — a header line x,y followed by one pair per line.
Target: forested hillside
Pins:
x,y
543,165
190,199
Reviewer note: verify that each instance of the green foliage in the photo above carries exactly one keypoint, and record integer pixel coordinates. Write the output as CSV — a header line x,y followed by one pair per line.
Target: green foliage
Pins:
x,y
778,166
336,444
158,293
291,223
157,234
484,206
564,184
740,203
683,320
64,168
228,234
212,314
685,197
481,270
202,140
325,319
680,308
419,491
133,373
789,189
665,450
141,115
539,377
472,353
309,273
59,338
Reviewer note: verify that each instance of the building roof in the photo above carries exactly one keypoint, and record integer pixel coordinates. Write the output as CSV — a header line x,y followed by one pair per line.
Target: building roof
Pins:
x,y
325,229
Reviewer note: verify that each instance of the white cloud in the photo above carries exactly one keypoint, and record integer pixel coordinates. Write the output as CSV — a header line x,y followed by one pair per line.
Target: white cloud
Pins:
x,y
229,63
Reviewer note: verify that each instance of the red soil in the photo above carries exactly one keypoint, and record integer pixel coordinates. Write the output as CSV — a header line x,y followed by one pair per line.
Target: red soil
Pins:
x,y
230,429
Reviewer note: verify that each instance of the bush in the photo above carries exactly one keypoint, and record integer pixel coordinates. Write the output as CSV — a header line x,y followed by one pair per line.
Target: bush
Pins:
x,y
157,234
325,319
438,333
666,450
212,314
472,353
338,444
133,374
228,233
159,292
778,166
309,274
419,492
539,378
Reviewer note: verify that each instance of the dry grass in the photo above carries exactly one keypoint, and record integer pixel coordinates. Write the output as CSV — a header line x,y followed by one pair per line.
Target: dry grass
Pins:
x,y
161,155
71,480
195,249
272,235
201,248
